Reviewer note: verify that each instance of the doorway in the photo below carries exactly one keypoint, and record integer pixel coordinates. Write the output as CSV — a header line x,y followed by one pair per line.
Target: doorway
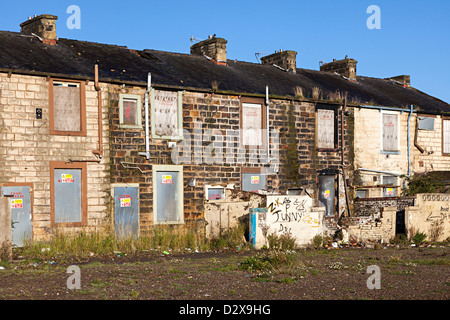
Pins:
x,y
21,212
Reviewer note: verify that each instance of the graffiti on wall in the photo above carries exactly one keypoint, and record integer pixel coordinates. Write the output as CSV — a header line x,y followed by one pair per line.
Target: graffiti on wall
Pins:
x,y
289,213
436,206
431,214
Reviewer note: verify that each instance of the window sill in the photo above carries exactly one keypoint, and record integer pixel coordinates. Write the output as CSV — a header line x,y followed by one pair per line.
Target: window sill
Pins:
x,y
389,152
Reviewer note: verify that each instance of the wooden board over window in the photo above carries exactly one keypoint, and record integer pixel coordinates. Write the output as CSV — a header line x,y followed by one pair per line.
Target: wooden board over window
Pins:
x,y
325,129
166,114
67,107
389,132
446,136
253,122
130,111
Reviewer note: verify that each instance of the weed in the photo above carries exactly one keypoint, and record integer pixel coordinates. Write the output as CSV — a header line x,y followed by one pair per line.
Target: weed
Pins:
x,y
419,237
283,242
317,241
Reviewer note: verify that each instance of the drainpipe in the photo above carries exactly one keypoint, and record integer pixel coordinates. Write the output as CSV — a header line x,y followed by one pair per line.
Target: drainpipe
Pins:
x,y
409,142
99,152
147,135
416,144
267,124
344,176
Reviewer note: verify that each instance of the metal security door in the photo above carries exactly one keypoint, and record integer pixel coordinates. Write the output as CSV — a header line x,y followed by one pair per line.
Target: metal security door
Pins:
x,y
20,213
327,193
67,195
167,196
126,211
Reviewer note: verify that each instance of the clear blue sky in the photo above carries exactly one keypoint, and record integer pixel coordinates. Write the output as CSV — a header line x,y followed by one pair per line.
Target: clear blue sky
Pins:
x,y
414,37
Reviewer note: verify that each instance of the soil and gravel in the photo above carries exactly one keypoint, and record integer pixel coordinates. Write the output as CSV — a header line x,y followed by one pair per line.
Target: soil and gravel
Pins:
x,y
420,273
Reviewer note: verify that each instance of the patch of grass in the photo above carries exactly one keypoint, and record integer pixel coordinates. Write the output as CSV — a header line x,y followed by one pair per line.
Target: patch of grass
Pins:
x,y
77,246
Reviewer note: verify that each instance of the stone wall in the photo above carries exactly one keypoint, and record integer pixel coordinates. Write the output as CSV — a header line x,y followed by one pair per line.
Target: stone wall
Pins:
x,y
377,227
27,147
287,215
296,158
430,215
371,206
431,142
223,215
368,148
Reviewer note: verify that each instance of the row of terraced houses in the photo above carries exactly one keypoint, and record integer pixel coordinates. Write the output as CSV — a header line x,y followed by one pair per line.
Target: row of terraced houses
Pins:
x,y
97,136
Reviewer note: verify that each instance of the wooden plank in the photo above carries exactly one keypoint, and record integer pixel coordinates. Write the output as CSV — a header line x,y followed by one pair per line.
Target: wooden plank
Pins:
x,y
166,113
446,136
66,108
252,124
390,132
325,129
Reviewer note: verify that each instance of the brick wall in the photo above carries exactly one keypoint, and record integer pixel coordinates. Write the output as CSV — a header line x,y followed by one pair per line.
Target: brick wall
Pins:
x,y
298,158
431,141
26,147
367,207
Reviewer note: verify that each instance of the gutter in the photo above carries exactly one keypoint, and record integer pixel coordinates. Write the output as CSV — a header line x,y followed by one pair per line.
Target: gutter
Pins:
x,y
377,171
386,108
344,176
416,144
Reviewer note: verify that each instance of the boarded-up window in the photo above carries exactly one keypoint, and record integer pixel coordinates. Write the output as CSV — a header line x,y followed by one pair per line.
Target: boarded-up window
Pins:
x,y
389,132
325,129
130,111
390,189
251,124
166,114
446,136
67,108
426,123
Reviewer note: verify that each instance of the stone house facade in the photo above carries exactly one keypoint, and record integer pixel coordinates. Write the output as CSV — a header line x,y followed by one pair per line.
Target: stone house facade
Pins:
x,y
102,137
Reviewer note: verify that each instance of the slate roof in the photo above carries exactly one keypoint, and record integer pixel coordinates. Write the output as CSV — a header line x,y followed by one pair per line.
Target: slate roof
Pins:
x,y
26,54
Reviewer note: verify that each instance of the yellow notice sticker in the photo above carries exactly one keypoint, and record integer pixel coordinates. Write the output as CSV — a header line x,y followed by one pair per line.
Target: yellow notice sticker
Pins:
x,y
125,202
167,179
16,203
66,178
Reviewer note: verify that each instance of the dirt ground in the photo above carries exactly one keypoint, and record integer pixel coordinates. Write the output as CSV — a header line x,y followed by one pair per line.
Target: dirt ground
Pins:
x,y
337,274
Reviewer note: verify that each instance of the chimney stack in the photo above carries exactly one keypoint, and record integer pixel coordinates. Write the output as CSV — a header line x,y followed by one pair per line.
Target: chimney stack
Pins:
x,y
43,26
283,59
214,48
405,80
345,67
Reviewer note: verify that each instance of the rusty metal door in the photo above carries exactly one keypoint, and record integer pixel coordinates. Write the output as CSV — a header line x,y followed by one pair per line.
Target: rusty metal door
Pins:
x,y
126,211
327,193
21,219
67,184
